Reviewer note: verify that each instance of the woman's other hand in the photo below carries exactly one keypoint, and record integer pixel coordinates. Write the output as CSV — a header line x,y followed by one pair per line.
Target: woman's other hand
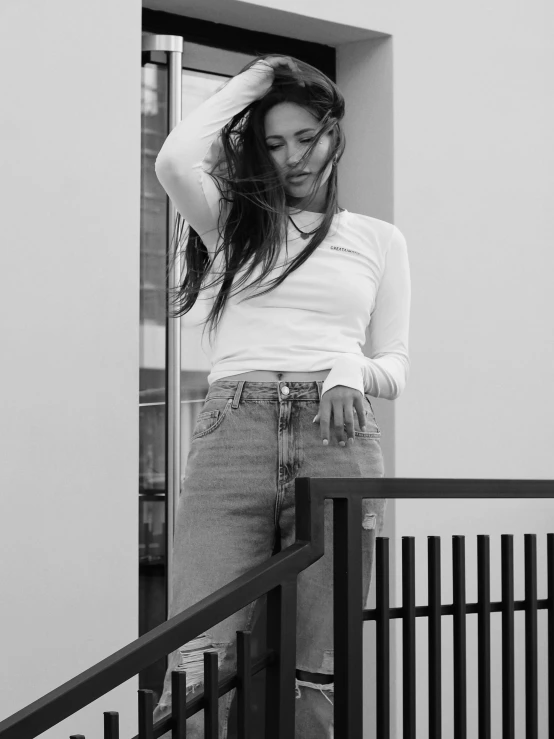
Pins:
x,y
342,401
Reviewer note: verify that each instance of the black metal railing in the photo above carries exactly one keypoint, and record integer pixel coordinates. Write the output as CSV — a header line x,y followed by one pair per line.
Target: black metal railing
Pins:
x,y
277,578
459,609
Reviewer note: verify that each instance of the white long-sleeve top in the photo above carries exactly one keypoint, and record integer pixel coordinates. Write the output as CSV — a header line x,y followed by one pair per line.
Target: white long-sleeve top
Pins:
x,y
356,281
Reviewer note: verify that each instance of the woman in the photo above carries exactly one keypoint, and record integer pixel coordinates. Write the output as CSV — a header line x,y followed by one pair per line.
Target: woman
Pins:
x,y
253,170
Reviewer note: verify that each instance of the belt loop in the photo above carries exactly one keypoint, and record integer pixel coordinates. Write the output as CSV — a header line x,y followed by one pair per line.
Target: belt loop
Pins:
x,y
238,393
319,388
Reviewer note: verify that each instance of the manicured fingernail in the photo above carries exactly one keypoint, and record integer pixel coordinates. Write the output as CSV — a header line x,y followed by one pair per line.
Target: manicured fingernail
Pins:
x,y
325,442
351,440
314,420
363,428
342,443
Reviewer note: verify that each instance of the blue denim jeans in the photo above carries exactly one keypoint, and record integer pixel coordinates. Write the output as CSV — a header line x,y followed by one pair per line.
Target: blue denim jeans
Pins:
x,y
250,442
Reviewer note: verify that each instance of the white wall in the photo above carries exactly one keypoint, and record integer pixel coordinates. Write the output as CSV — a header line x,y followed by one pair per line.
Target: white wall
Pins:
x,y
473,181
472,178
70,190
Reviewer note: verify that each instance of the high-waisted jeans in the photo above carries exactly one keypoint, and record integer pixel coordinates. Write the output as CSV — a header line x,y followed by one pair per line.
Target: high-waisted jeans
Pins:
x,y
250,442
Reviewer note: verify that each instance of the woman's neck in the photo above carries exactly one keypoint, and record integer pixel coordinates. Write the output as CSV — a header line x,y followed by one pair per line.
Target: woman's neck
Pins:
x,y
295,209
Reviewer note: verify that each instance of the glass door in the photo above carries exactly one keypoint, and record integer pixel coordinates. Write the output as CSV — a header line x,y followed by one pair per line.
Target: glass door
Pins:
x,y
203,71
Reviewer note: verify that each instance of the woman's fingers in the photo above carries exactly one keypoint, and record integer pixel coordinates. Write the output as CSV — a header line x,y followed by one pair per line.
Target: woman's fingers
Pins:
x,y
349,410
287,62
360,410
276,61
343,416
339,421
349,422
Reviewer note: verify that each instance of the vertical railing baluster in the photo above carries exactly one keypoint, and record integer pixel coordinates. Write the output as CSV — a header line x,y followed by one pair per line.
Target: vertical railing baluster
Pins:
x,y
382,635
508,690
244,687
280,675
408,638
211,695
484,635
550,593
348,616
459,633
434,625
111,725
145,711
531,676
179,704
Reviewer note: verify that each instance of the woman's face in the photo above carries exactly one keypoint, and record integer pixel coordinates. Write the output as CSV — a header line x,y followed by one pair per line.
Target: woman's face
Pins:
x,y
289,130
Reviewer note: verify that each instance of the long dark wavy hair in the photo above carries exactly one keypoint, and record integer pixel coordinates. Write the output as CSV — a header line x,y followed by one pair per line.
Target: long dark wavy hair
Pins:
x,y
253,196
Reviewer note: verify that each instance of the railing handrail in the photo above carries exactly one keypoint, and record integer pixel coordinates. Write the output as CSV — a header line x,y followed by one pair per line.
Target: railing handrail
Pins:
x,y
109,673
311,493
416,488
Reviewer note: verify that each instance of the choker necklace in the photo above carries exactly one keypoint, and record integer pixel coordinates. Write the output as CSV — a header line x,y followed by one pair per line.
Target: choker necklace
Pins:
x,y
303,234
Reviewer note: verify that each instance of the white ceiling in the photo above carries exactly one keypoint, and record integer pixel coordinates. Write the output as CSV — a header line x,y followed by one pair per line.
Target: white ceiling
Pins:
x,y
255,17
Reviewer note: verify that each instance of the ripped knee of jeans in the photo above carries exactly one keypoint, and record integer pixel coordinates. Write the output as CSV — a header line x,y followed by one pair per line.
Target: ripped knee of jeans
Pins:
x,y
324,688
322,680
191,661
369,521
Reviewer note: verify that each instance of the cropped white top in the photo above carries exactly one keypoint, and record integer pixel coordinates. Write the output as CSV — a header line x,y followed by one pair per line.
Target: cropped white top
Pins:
x,y
357,279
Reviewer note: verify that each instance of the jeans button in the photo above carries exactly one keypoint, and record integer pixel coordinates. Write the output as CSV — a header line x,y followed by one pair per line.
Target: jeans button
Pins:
x,y
285,390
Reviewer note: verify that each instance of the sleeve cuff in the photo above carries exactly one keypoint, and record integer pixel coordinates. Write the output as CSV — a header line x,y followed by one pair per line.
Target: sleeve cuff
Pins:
x,y
346,371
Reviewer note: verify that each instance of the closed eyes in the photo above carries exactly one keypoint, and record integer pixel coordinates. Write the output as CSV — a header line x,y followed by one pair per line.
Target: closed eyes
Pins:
x,y
278,146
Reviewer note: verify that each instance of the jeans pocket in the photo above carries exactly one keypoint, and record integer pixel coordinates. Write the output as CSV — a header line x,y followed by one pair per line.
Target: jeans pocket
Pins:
x,y
211,416
372,430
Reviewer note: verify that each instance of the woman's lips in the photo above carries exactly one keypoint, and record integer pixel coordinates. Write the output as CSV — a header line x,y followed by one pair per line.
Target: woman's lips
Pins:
x,y
298,178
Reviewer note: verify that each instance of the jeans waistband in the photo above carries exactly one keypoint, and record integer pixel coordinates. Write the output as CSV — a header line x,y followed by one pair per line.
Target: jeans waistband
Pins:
x,y
244,390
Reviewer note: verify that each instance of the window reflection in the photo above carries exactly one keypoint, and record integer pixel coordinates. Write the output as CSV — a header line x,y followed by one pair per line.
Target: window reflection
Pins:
x,y
196,87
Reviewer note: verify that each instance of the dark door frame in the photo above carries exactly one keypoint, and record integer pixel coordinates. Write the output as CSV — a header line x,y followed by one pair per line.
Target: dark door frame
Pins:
x,y
233,38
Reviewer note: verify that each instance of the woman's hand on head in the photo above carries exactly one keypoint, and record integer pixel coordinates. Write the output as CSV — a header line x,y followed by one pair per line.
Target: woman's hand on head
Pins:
x,y
283,63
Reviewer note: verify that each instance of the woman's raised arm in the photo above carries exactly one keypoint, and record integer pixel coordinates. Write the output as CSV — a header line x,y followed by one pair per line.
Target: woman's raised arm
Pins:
x,y
193,147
